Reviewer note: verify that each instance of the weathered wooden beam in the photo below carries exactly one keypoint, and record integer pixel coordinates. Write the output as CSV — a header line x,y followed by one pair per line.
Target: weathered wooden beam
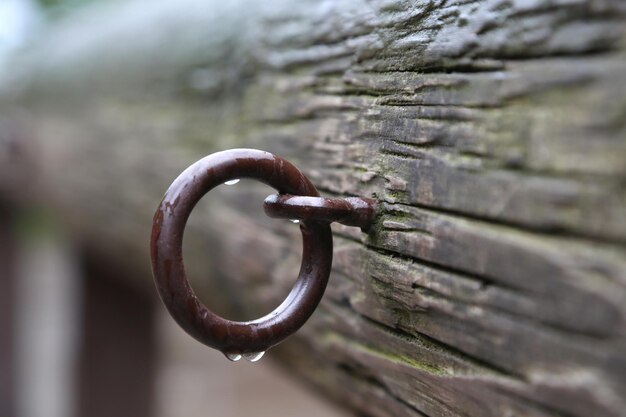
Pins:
x,y
492,132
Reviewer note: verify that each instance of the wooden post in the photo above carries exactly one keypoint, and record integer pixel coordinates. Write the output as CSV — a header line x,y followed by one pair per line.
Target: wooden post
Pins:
x,y
8,249
118,355
492,133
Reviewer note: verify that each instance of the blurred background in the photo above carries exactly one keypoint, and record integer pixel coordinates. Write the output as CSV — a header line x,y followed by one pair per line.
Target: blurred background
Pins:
x,y
78,336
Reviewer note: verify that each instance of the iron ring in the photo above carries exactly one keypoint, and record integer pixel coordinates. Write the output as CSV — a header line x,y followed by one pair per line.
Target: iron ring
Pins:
x,y
235,338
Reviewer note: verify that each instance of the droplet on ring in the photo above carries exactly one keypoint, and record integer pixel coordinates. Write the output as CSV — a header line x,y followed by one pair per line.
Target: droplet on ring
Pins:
x,y
233,357
253,357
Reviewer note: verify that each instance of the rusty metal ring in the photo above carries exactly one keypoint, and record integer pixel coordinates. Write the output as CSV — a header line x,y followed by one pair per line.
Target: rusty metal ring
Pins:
x,y
234,338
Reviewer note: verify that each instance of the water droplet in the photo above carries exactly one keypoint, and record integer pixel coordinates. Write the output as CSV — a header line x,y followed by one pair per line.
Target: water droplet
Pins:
x,y
234,357
232,182
253,357
295,221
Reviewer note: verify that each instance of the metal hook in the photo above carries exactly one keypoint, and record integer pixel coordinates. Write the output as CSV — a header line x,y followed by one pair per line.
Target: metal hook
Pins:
x,y
299,199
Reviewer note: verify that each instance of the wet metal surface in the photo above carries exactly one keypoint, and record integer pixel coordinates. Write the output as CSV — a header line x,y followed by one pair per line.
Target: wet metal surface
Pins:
x,y
350,211
298,199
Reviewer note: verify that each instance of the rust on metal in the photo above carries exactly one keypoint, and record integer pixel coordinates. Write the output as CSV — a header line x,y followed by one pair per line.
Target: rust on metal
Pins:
x,y
350,211
298,199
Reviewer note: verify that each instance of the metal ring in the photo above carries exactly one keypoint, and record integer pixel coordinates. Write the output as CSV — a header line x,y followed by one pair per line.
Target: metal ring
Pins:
x,y
235,338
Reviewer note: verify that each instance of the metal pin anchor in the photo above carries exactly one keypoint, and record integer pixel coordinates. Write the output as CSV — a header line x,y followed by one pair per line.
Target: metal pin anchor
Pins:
x,y
349,211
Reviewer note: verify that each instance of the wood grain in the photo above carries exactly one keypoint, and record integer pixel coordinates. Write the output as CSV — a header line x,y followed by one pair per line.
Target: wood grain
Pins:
x,y
492,132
